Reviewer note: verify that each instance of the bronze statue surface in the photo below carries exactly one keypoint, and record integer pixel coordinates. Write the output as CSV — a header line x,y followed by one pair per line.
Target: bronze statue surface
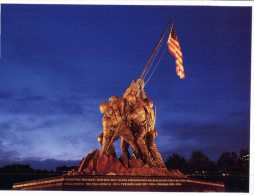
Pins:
x,y
131,118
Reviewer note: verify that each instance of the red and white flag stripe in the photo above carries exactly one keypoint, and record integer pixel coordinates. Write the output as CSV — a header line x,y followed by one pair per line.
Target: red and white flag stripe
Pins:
x,y
175,49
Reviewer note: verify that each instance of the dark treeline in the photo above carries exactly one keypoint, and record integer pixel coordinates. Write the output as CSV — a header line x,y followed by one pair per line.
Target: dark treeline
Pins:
x,y
26,169
228,163
13,173
230,168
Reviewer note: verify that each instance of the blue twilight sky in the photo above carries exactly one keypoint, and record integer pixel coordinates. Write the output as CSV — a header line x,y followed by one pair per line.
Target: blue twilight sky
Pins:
x,y
60,61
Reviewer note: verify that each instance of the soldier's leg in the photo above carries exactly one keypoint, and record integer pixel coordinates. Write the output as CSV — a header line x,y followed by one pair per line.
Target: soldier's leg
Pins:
x,y
155,154
140,139
128,136
107,147
125,146
105,144
111,149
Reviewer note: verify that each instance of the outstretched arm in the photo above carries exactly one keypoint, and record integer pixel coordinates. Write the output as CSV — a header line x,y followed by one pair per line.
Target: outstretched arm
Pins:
x,y
141,83
128,90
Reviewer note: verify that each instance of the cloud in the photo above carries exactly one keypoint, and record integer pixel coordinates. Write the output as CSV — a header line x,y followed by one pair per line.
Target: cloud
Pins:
x,y
44,125
5,95
184,133
32,126
32,99
6,156
46,138
28,101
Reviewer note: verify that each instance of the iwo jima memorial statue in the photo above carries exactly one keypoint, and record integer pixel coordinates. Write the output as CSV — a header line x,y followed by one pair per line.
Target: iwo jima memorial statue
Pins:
x,y
131,118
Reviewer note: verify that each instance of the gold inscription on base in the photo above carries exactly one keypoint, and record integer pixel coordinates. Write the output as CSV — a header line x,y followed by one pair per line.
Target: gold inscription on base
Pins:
x,y
103,182
122,182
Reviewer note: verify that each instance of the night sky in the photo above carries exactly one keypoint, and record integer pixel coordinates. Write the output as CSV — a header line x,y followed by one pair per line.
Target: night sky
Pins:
x,y
60,61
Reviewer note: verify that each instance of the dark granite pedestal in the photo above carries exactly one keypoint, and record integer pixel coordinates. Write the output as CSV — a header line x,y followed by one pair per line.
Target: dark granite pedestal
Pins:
x,y
121,183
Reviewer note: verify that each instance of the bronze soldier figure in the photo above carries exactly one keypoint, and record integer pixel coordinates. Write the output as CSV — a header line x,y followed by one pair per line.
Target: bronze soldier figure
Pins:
x,y
136,119
151,134
118,106
113,128
107,132
132,118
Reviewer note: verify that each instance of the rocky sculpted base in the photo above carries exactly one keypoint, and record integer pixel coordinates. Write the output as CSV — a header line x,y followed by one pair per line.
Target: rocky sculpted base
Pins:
x,y
97,164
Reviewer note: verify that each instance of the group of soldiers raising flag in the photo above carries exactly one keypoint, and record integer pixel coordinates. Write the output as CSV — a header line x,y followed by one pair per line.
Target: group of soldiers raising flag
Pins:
x,y
131,117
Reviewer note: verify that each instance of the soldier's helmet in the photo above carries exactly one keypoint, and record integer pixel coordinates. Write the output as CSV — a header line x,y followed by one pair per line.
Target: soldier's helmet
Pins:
x,y
113,98
149,102
131,98
103,107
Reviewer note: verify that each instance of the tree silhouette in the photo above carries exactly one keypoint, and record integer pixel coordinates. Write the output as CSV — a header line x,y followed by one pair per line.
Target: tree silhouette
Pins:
x,y
64,169
244,161
199,163
228,163
16,168
176,161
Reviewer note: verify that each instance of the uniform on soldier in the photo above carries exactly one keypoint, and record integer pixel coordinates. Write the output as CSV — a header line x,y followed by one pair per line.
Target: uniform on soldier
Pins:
x,y
107,130
151,134
113,128
136,118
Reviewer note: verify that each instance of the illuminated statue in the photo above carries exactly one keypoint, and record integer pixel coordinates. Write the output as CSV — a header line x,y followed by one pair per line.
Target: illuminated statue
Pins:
x,y
113,128
132,118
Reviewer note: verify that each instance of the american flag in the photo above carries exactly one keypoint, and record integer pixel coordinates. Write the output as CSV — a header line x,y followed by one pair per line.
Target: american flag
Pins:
x,y
175,49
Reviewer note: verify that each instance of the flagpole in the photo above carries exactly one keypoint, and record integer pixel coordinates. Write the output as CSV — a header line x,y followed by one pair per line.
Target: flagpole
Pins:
x,y
155,49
